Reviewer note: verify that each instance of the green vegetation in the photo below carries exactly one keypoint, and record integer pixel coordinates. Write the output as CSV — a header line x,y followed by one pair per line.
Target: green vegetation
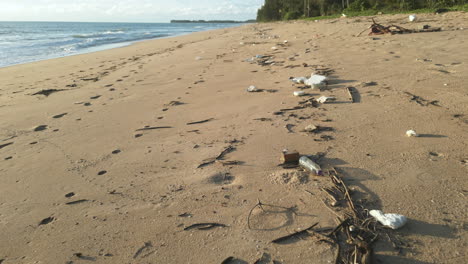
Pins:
x,y
274,10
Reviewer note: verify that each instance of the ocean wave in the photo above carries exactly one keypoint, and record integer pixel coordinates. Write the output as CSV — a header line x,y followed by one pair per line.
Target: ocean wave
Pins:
x,y
100,34
113,39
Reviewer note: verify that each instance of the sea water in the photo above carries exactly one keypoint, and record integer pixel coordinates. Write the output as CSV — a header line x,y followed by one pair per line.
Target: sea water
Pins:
x,y
22,42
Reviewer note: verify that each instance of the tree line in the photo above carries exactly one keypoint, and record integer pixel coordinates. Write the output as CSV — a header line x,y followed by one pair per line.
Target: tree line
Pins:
x,y
274,10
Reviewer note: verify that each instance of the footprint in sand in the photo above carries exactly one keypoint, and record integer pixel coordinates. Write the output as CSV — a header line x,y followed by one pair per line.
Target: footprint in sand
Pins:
x,y
60,115
40,128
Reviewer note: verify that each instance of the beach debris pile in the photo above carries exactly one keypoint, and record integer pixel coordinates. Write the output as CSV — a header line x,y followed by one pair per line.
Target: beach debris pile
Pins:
x,y
358,228
378,29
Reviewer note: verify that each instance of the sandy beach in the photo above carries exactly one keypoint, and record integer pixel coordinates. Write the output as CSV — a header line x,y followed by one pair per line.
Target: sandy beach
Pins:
x,y
107,157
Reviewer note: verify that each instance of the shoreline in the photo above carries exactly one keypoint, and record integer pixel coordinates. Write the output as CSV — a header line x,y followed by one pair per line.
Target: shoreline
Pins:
x,y
134,145
118,45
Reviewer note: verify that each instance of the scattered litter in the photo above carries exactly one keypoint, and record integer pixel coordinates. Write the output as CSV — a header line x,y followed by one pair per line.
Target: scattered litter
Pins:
x,y
144,249
412,18
289,128
365,84
204,226
394,221
315,81
47,220
274,48
94,79
200,122
289,156
76,202
299,93
299,80
411,133
253,89
6,144
198,58
230,162
152,128
421,101
173,103
296,235
310,165
263,119
83,257
352,92
262,60
378,29
185,215
40,128
311,128
219,157
48,92
325,99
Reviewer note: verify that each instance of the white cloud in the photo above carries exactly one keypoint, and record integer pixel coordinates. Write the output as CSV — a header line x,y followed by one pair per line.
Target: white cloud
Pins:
x,y
127,10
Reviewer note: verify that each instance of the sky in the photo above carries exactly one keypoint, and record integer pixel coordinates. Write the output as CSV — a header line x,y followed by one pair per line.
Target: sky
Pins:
x,y
127,10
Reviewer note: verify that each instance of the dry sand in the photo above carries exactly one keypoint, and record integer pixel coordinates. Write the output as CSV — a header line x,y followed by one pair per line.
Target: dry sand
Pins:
x,y
135,191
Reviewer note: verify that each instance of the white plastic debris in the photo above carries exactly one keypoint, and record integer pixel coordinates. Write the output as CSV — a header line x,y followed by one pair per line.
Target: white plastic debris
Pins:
x,y
394,221
253,89
325,99
316,81
411,133
299,93
343,15
285,42
274,48
299,80
412,18
311,128
198,58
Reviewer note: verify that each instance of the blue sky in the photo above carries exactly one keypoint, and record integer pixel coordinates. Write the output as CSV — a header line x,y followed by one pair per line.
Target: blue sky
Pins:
x,y
126,10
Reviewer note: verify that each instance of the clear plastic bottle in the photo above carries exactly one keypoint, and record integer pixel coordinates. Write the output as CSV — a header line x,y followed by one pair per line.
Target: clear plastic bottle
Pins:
x,y
310,165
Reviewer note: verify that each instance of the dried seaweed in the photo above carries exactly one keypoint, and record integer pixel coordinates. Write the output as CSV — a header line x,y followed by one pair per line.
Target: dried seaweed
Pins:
x,y
200,122
204,226
298,234
152,128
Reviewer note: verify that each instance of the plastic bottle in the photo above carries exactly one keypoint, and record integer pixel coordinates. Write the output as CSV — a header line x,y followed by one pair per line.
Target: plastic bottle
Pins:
x,y
310,165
